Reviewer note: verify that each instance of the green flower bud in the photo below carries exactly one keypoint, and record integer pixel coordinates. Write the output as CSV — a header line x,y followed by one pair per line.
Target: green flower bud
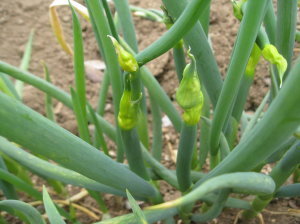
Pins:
x,y
126,59
189,95
271,54
129,109
253,60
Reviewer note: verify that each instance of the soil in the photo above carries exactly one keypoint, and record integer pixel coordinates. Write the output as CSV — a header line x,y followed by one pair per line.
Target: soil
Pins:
x,y
18,17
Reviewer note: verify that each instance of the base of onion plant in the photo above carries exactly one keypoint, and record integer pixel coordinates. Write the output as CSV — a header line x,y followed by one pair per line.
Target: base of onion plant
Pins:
x,y
271,135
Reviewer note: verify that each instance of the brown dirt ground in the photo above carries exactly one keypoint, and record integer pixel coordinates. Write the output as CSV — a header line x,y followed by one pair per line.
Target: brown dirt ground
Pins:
x,y
18,17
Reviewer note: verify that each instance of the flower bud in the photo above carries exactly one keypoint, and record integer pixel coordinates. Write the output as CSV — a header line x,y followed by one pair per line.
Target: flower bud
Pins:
x,y
253,60
271,54
189,95
129,109
126,59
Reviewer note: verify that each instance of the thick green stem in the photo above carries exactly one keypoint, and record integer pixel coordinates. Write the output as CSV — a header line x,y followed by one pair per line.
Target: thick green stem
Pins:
x,y
245,41
184,156
204,131
286,29
242,96
110,19
204,19
52,90
157,138
207,67
270,23
215,209
97,13
283,169
133,152
7,188
282,118
179,59
184,23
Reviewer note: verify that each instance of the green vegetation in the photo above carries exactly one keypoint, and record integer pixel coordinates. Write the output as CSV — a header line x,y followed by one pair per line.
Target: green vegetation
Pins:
x,y
211,106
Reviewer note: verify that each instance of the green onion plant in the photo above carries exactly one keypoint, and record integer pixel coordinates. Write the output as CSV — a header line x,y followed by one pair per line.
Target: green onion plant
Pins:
x,y
234,145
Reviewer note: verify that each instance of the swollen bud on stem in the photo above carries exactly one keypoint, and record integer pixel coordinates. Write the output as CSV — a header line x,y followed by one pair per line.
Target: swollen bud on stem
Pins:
x,y
271,54
126,59
189,95
128,112
253,60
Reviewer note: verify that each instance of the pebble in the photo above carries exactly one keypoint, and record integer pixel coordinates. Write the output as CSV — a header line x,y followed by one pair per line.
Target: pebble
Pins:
x,y
66,18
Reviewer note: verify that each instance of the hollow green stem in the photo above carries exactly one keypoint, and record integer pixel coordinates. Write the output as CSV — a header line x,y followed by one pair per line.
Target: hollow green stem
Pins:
x,y
161,97
48,98
157,92
103,94
7,188
79,63
215,209
270,22
283,169
20,184
204,19
99,138
184,23
282,118
249,182
242,96
179,59
110,19
281,150
53,171
133,152
127,25
297,38
81,119
246,37
158,168
128,30
286,29
206,62
51,90
291,190
255,117
157,140
204,131
112,65
184,156
52,141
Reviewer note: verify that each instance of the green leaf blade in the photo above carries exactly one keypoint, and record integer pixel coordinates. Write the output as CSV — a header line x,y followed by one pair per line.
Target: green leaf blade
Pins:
x,y
53,215
136,209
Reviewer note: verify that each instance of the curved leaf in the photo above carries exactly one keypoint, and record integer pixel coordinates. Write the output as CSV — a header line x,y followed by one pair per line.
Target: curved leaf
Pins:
x,y
26,127
53,215
31,214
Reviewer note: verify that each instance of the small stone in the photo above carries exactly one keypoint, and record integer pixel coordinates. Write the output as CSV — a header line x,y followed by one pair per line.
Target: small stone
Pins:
x,y
66,18
107,107
94,70
20,21
166,122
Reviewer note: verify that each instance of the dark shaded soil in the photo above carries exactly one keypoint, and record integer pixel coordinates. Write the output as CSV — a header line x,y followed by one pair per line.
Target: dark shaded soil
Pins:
x,y
18,17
